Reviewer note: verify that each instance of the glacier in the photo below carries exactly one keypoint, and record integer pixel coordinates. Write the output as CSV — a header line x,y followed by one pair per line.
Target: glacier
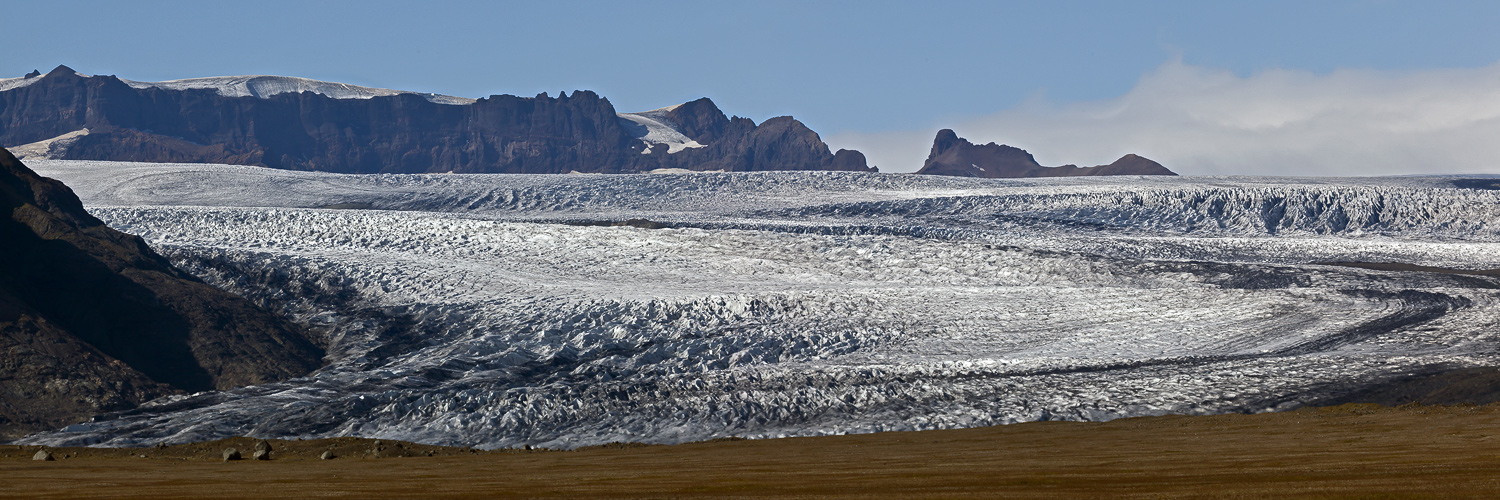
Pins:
x,y
264,86
653,128
499,311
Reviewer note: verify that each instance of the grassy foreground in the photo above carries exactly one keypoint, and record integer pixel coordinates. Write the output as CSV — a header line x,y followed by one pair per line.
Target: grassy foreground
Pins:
x,y
1350,451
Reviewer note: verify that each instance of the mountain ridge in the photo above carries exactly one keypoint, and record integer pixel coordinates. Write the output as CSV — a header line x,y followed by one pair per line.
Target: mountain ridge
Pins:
x,y
956,156
299,124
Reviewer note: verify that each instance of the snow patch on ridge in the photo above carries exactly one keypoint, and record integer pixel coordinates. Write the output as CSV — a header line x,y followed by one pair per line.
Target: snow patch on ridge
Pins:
x,y
15,83
652,127
48,148
263,86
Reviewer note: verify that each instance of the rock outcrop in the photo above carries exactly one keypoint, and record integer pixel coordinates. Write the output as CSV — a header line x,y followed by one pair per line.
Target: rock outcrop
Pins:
x,y
92,320
310,125
953,155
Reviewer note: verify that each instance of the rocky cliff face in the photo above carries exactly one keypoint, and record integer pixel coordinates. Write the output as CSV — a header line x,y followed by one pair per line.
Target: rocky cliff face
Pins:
x,y
953,155
92,320
310,125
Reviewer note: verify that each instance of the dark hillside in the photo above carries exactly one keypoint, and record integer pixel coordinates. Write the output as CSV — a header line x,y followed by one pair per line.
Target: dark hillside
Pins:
x,y
93,320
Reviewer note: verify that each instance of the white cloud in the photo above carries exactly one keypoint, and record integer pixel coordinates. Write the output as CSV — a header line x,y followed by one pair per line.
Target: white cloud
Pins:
x,y
1205,121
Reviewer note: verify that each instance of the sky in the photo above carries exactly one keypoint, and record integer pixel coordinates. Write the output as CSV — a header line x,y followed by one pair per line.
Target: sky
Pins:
x,y
1248,88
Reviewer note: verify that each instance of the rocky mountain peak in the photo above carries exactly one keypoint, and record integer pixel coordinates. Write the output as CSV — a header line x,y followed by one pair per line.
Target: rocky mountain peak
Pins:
x,y
1132,164
954,155
946,139
61,70
700,120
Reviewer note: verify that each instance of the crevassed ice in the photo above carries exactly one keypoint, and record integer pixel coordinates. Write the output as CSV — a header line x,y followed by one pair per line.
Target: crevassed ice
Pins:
x,y
469,312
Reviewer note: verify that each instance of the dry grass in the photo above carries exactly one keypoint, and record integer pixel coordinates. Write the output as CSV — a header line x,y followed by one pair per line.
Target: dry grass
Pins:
x,y
1351,451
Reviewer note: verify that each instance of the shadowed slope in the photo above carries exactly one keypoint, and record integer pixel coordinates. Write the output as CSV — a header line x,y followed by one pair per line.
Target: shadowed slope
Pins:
x,y
93,320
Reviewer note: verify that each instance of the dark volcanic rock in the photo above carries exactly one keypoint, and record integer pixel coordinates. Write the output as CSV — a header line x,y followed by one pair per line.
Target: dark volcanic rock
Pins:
x,y
405,133
92,320
953,155
702,121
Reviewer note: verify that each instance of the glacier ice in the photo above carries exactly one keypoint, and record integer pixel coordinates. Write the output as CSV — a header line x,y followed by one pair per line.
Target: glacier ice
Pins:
x,y
263,86
499,310
653,127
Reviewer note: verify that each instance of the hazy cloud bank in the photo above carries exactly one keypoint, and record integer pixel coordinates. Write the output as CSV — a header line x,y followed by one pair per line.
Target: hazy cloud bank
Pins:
x,y
1204,121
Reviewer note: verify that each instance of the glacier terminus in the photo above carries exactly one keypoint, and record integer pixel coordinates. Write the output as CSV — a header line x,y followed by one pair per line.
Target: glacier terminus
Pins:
x,y
505,310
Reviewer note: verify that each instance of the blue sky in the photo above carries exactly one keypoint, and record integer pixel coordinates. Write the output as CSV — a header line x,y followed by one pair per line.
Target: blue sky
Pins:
x,y
869,74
